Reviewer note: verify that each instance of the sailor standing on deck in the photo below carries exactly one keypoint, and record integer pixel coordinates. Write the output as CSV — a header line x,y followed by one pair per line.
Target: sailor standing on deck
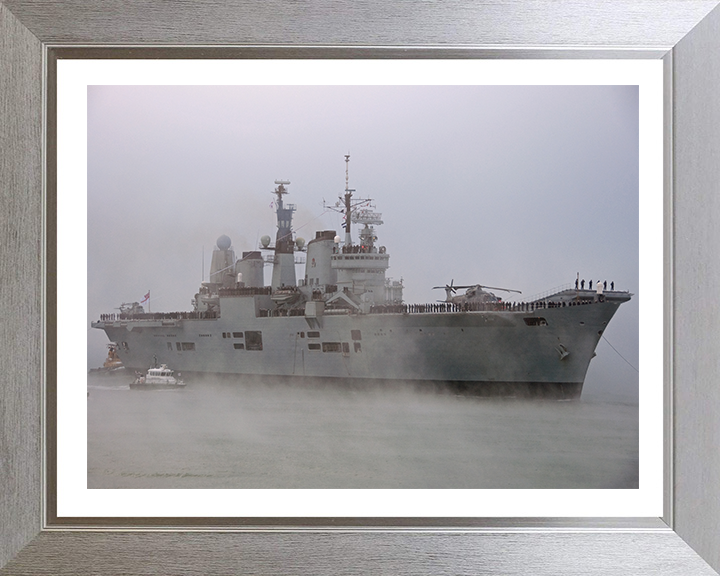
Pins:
x,y
600,297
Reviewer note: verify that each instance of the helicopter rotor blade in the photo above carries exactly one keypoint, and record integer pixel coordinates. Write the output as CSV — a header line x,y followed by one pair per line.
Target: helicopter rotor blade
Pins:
x,y
454,288
503,289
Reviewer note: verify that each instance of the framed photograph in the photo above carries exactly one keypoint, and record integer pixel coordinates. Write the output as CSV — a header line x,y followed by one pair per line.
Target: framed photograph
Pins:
x,y
660,515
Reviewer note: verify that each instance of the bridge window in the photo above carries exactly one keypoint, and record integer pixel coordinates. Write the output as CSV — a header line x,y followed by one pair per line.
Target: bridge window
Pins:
x,y
312,334
331,347
188,345
535,321
239,346
313,346
237,335
358,346
356,335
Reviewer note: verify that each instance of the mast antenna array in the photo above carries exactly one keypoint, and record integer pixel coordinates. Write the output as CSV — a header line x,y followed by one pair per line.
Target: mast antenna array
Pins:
x,y
347,172
351,208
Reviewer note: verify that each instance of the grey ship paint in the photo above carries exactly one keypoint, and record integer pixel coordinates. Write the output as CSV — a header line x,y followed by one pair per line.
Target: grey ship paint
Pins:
x,y
347,322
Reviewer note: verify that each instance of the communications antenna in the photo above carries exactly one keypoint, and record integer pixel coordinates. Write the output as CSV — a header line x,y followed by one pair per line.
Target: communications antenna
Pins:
x,y
354,210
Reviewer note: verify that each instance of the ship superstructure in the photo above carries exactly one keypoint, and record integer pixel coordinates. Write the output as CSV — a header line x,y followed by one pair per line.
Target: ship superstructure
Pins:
x,y
346,320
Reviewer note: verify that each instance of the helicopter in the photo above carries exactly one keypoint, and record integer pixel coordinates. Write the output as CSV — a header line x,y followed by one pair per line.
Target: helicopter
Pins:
x,y
473,293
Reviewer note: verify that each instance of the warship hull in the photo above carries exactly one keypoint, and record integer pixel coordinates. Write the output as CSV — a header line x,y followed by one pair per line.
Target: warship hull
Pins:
x,y
543,352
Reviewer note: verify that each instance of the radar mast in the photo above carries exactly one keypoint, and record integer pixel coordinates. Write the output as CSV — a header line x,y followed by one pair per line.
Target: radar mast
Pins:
x,y
357,210
284,260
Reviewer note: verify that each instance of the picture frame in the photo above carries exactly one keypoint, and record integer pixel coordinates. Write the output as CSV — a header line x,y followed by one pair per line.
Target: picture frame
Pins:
x,y
686,35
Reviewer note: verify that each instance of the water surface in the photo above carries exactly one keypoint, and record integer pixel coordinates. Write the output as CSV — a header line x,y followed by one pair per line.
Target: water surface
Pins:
x,y
243,434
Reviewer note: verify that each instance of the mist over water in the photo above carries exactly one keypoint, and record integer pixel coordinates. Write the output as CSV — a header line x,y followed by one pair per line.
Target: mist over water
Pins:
x,y
237,433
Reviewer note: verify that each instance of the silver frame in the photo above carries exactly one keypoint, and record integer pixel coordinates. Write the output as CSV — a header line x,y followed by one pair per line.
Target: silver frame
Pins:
x,y
686,540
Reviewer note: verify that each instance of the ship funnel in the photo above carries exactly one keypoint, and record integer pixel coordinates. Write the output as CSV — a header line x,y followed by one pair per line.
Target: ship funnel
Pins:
x,y
249,270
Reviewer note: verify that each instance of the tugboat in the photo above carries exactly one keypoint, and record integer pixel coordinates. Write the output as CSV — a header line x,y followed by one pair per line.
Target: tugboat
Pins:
x,y
344,321
112,364
157,379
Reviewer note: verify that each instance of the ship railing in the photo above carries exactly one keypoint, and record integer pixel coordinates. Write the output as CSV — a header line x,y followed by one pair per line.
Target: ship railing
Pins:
x,y
434,308
452,307
160,316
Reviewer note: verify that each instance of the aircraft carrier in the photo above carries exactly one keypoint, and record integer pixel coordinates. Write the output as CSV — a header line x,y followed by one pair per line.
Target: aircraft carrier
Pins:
x,y
347,322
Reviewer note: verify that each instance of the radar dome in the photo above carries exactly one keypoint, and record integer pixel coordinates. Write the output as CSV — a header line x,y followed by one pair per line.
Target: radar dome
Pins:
x,y
223,243
265,241
336,239
300,242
